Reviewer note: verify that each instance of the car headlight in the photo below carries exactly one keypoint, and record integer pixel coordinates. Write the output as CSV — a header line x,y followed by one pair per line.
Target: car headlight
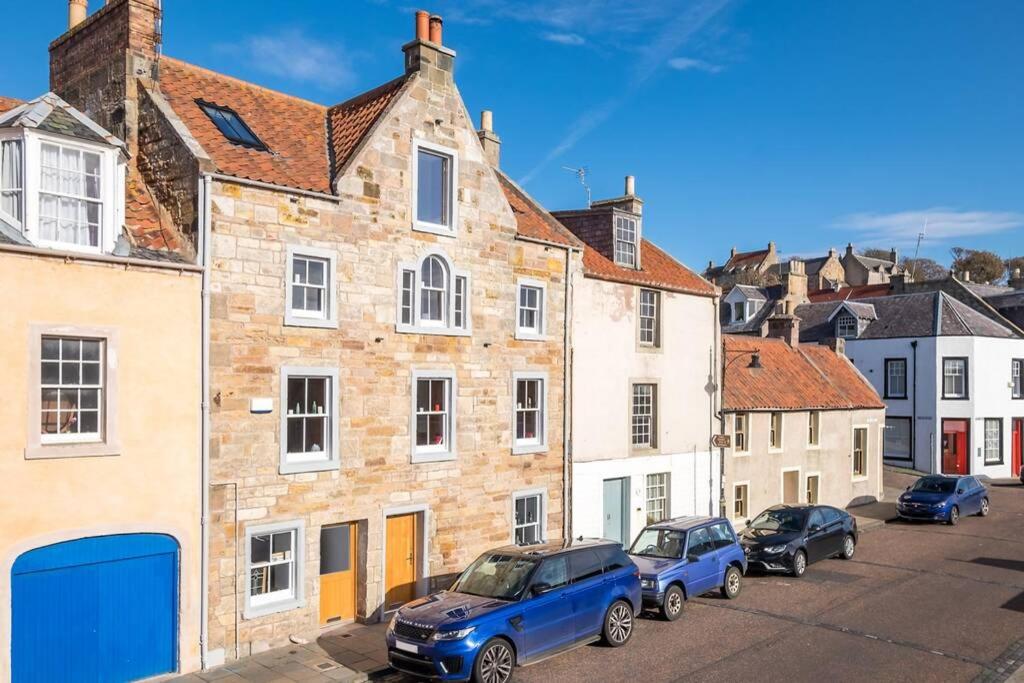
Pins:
x,y
941,503
454,635
391,624
647,583
775,549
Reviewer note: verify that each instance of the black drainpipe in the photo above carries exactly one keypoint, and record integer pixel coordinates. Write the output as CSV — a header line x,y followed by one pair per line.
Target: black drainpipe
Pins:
x,y
913,412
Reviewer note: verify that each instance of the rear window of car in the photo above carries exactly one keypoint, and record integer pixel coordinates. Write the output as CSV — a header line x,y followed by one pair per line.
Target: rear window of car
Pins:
x,y
584,564
832,515
613,557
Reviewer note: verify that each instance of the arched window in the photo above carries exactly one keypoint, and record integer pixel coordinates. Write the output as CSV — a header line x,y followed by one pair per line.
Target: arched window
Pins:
x,y
433,292
433,297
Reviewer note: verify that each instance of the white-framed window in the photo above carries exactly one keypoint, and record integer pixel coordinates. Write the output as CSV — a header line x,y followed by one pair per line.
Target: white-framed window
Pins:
x,y
895,378
1017,377
433,415
650,318
846,326
644,415
954,378
12,180
531,296
310,299
775,430
814,428
530,413
860,451
72,393
739,311
740,430
433,297
626,241
70,195
896,442
309,419
993,441
435,193
529,517
274,561
740,501
657,497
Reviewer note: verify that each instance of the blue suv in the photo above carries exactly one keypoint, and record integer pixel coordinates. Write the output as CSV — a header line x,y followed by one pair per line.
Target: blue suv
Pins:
x,y
514,606
685,557
943,498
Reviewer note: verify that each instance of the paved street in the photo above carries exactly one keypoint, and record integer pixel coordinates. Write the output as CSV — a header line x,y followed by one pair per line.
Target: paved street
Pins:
x,y
918,603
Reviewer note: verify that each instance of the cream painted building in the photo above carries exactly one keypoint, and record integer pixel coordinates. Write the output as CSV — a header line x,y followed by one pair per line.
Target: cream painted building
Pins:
x,y
645,350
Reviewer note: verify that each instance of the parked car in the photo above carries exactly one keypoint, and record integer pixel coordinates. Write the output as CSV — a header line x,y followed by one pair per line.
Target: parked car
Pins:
x,y
515,605
943,498
685,557
788,538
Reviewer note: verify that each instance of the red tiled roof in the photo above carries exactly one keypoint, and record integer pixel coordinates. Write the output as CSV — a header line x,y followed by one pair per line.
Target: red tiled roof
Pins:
x,y
532,220
8,103
846,293
746,258
808,377
143,221
350,121
658,270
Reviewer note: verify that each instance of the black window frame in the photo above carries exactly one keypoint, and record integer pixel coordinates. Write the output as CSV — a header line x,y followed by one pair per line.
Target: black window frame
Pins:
x,y
910,454
613,557
232,137
887,391
967,379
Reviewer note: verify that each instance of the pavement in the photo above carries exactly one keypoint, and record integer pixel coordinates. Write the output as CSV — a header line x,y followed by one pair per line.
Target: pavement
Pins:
x,y
918,602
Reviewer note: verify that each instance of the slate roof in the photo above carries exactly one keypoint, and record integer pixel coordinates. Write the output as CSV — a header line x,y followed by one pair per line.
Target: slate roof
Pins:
x,y
769,296
872,263
755,293
921,314
808,377
50,114
864,311
532,219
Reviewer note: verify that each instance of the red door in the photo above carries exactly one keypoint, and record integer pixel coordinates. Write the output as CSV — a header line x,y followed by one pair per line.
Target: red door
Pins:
x,y
1018,444
954,446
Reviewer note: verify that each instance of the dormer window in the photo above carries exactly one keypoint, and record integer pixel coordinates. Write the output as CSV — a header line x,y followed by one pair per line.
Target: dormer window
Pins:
x,y
625,241
70,199
846,326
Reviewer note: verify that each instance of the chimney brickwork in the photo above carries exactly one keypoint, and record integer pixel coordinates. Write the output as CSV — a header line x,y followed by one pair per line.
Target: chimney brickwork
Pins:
x,y
426,53
489,140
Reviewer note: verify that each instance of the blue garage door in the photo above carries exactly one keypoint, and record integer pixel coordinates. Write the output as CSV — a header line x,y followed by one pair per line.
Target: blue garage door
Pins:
x,y
95,609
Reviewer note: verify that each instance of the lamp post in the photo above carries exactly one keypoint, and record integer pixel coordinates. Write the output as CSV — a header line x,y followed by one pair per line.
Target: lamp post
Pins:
x,y
755,367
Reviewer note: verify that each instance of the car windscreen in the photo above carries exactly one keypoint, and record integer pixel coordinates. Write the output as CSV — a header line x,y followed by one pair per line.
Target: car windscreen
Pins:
x,y
494,575
654,542
780,521
934,485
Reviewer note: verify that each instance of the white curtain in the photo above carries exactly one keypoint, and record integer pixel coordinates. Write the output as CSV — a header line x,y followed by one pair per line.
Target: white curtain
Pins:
x,y
11,184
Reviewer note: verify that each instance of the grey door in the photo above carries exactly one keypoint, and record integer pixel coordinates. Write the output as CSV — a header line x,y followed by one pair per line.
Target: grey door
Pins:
x,y
616,522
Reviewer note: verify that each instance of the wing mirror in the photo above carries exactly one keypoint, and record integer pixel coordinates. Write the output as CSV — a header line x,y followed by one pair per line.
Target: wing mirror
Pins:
x,y
540,588
814,528
747,522
959,492
692,557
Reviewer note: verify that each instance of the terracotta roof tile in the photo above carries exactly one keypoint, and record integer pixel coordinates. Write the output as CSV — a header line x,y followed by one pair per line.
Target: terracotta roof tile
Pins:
x,y
143,221
8,103
858,292
808,377
658,270
532,220
350,121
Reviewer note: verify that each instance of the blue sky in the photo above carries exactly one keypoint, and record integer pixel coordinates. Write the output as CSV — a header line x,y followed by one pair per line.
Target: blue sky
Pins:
x,y
810,123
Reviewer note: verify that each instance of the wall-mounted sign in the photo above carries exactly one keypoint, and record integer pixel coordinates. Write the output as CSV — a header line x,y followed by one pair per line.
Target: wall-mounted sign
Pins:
x,y
721,441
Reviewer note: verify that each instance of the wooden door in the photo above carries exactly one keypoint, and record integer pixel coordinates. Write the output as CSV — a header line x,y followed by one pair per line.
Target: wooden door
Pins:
x,y
401,560
338,572
1018,445
791,487
954,446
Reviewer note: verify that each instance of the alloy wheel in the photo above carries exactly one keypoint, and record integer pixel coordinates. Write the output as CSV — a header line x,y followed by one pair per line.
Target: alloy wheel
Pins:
x,y
799,564
984,507
620,623
954,516
849,547
496,664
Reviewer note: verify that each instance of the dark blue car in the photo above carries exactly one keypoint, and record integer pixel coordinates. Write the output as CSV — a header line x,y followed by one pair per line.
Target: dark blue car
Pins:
x,y
685,557
514,606
942,498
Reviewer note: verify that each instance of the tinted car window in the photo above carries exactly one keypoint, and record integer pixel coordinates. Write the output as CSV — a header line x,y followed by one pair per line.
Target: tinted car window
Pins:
x,y
721,536
584,564
934,485
832,515
554,571
613,557
817,519
700,542
970,483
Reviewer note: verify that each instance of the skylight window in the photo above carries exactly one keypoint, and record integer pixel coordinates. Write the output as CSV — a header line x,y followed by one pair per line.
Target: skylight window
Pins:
x,y
231,125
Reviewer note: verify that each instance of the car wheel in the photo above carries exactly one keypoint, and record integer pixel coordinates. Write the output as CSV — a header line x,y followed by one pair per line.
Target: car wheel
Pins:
x,y
494,663
618,624
733,583
849,547
984,508
799,564
954,516
672,606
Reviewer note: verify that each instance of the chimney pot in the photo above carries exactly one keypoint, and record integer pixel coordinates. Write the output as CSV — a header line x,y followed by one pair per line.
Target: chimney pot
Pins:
x,y
436,25
967,276
422,25
630,186
489,141
77,12
487,121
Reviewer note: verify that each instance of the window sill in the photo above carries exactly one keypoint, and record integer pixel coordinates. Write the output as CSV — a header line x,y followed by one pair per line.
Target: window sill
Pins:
x,y
428,457
741,454
272,608
648,348
814,446
434,229
530,449
644,450
894,398
857,478
320,323
956,398
776,450
525,335
309,466
435,331
72,450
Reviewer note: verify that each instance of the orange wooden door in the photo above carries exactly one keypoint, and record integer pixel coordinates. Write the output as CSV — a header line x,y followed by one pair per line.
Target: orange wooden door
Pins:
x,y
338,572
401,560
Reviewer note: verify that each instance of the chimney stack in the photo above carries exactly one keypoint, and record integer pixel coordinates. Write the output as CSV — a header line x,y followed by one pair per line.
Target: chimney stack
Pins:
x,y
894,256
785,326
967,276
489,140
426,52
1016,281
630,186
77,12
837,344
795,283
732,252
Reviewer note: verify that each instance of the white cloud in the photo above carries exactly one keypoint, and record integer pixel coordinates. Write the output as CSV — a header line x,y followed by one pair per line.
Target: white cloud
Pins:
x,y
564,38
293,55
943,224
689,64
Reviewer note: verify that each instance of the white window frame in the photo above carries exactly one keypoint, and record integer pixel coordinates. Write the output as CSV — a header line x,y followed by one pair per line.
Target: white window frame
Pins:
x,y
328,318
964,393
618,255
844,320
1017,378
18,191
814,426
853,452
451,228
655,341
540,331
448,326
266,604
112,189
986,444
807,488
539,444
653,442
773,447
736,432
431,453
745,485
542,513
296,463
666,500
737,306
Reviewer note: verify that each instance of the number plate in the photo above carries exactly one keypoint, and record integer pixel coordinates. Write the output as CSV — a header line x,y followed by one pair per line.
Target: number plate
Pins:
x,y
407,647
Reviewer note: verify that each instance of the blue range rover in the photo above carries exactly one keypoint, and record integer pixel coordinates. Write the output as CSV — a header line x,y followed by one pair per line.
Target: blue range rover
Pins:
x,y
515,606
684,557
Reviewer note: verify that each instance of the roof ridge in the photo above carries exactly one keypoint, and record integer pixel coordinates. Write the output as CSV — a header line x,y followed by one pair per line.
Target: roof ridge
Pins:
x,y
953,308
1003,321
367,95
242,81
